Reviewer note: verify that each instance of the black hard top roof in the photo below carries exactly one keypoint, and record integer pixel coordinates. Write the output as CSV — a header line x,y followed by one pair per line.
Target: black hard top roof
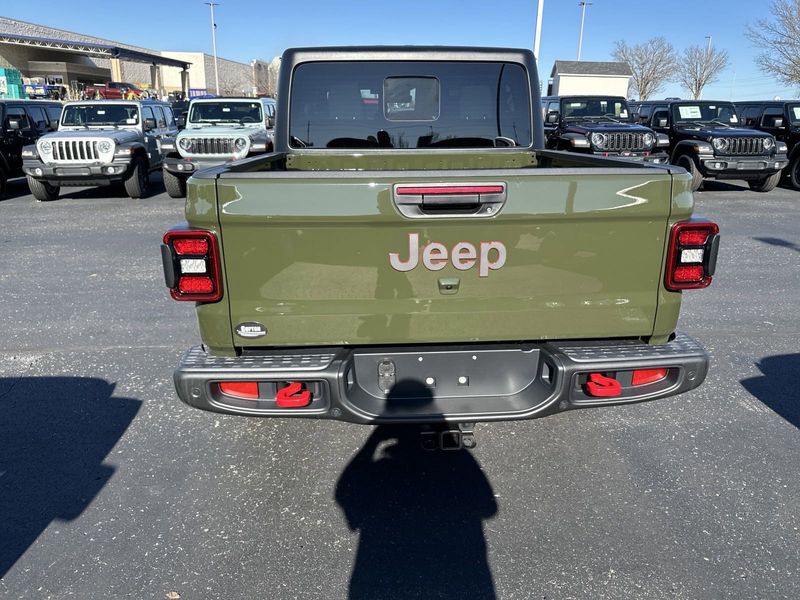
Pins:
x,y
426,53
30,101
775,102
684,101
562,96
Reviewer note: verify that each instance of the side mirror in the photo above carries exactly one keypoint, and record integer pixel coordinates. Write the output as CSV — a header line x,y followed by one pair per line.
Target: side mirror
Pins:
x,y
271,121
778,123
180,122
662,122
53,124
149,124
14,125
552,117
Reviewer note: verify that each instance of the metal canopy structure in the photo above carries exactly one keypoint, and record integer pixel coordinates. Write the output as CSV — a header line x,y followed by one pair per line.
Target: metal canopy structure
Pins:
x,y
92,49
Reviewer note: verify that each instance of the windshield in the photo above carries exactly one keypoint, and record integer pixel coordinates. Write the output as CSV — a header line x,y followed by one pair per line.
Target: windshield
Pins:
x,y
225,112
409,105
88,115
595,108
794,113
705,112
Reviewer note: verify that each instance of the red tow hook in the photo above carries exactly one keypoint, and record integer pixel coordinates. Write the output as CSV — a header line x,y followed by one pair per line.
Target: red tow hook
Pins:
x,y
293,396
601,386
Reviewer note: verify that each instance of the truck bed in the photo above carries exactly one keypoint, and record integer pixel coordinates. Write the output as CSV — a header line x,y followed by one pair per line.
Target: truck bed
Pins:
x,y
318,248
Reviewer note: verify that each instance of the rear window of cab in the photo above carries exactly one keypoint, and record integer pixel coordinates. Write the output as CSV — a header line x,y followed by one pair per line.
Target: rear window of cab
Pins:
x,y
409,105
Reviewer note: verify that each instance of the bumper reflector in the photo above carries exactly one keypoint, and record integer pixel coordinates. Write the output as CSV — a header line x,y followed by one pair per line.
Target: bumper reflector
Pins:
x,y
240,389
645,376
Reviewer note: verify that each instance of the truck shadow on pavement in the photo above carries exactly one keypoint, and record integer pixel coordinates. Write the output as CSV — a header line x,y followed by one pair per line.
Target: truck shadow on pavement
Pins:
x,y
15,188
419,515
778,242
777,387
55,433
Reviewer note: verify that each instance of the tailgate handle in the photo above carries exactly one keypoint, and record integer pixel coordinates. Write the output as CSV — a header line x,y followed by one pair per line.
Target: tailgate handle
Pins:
x,y
449,200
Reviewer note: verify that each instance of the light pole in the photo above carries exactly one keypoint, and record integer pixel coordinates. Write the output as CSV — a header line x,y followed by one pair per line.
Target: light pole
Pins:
x,y
538,36
583,17
214,43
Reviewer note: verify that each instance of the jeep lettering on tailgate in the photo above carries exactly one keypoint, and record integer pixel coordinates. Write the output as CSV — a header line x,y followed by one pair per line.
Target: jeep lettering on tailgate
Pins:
x,y
463,256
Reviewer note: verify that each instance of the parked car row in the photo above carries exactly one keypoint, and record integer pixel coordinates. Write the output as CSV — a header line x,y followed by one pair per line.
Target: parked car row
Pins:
x,y
100,142
751,141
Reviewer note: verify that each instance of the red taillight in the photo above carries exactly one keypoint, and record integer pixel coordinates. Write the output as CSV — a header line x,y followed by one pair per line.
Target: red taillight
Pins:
x,y
240,389
645,376
190,284
692,255
190,246
692,237
195,279
688,274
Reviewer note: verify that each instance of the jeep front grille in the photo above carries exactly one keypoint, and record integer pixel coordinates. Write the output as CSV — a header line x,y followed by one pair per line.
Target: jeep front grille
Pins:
x,y
209,146
624,141
66,151
744,145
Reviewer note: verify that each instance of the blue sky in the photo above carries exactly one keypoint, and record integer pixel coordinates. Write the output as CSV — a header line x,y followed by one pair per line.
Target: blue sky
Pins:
x,y
248,29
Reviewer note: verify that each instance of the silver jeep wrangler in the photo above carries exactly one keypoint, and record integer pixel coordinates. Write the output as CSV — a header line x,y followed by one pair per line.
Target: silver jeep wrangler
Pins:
x,y
99,142
218,130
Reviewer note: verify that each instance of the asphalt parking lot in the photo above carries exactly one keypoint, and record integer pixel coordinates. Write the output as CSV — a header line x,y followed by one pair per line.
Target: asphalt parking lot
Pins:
x,y
111,488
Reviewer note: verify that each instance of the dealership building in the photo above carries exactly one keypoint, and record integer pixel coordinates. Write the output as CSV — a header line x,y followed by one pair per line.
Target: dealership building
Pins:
x,y
75,59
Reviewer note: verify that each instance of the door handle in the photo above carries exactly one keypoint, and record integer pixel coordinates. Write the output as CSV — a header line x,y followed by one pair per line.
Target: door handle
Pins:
x,y
449,200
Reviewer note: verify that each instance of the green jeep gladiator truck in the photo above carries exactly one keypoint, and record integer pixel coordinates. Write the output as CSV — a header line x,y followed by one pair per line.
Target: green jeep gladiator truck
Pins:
x,y
410,253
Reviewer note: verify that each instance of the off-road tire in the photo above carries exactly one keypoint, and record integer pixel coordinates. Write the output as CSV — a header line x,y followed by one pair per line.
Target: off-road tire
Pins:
x,y
794,172
137,184
176,185
687,162
43,191
765,185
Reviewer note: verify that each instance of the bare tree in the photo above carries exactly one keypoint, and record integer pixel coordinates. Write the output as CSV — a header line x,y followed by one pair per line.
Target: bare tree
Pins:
x,y
779,38
652,64
698,66
272,76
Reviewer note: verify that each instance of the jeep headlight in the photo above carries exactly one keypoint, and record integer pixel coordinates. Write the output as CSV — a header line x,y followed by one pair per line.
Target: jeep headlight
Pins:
x,y
768,143
45,147
104,147
648,139
598,139
720,144
185,143
240,144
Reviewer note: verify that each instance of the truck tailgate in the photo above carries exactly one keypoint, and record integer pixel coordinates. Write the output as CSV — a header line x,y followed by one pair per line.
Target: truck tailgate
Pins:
x,y
321,258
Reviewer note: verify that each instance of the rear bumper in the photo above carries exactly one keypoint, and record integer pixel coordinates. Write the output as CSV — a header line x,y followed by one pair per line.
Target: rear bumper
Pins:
x,y
457,383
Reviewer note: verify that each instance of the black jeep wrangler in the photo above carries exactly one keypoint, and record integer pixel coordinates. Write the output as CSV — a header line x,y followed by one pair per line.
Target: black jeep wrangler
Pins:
x,y
600,125
780,119
706,140
23,122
